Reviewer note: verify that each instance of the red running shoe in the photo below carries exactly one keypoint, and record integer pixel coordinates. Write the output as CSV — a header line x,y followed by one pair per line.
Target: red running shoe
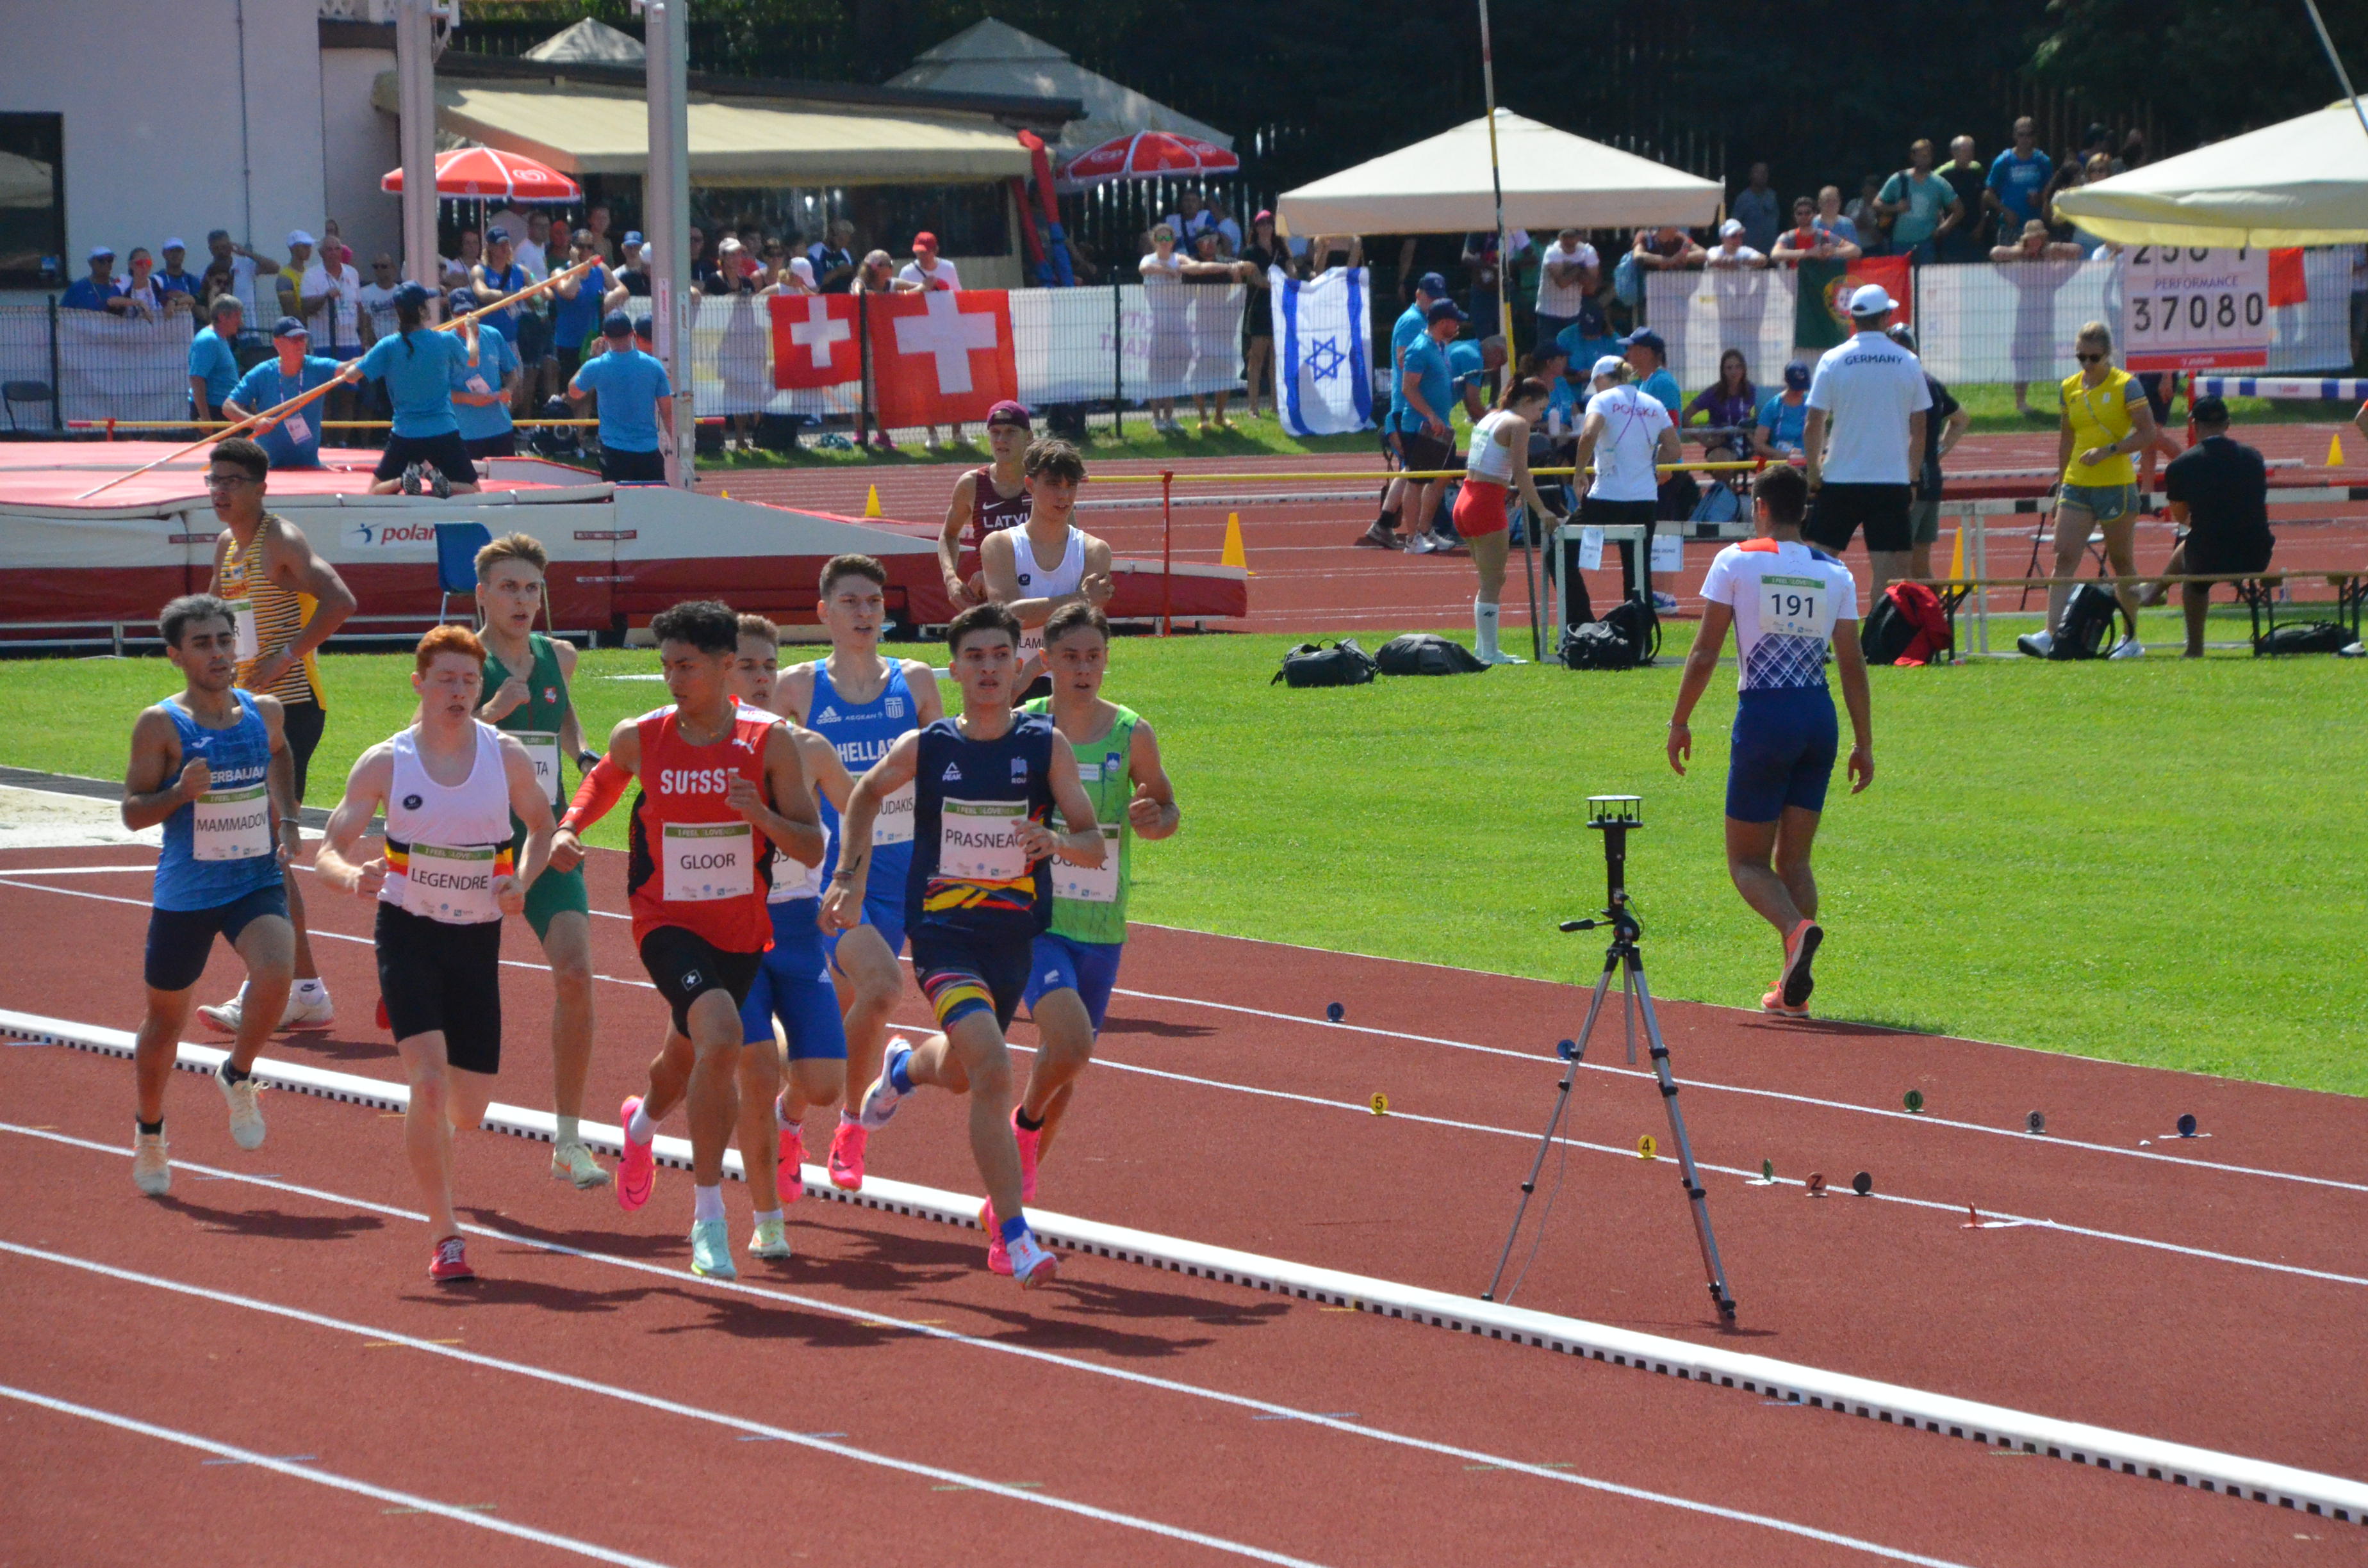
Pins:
x,y
449,1263
637,1170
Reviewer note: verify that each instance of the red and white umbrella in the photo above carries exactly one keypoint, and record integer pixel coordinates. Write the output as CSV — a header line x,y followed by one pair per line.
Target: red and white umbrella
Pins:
x,y
1148,154
488,172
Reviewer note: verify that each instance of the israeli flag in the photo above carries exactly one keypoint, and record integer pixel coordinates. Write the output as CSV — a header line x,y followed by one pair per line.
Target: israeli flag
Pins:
x,y
1324,368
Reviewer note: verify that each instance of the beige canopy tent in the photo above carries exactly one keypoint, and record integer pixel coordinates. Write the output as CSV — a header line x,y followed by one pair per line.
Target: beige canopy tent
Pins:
x,y
1552,180
2300,182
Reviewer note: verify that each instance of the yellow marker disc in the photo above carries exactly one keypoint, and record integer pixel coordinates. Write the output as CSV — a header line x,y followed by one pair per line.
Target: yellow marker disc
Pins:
x,y
1646,1147
1381,1103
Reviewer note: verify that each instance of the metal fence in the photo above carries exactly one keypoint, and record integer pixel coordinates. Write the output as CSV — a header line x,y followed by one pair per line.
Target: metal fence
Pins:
x,y
1978,322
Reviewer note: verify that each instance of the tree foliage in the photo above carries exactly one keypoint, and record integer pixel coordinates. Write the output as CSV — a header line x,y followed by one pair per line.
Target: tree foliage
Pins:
x,y
2210,68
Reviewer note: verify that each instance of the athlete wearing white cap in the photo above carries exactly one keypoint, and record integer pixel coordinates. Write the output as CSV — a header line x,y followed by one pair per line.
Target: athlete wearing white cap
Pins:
x,y
1870,396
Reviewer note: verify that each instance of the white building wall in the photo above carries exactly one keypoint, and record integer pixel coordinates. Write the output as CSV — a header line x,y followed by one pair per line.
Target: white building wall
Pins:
x,y
180,117
359,144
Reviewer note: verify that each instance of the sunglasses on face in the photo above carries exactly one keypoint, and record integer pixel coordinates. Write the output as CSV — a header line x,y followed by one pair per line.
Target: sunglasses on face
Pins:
x,y
2089,359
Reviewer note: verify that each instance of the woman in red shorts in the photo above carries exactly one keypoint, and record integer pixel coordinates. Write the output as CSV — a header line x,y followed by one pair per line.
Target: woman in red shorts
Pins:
x,y
1499,464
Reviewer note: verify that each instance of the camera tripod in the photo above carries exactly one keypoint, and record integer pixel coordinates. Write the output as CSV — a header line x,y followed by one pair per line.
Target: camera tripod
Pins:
x,y
1614,817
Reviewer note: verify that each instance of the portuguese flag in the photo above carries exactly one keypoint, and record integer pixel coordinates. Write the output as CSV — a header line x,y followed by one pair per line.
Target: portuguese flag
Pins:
x,y
1821,316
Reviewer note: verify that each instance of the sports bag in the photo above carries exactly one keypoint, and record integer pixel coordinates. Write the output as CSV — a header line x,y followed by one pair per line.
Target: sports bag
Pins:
x,y
2306,637
1628,635
2086,630
1906,627
1313,663
1425,654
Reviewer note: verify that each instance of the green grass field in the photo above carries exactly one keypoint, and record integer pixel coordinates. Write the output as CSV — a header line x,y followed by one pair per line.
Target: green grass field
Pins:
x,y
2145,861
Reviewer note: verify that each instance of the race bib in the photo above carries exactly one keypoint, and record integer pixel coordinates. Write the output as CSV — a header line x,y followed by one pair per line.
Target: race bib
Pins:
x,y
250,641
1031,643
978,841
296,429
1089,884
708,860
1668,553
477,385
230,824
1590,548
894,823
1795,606
542,750
455,886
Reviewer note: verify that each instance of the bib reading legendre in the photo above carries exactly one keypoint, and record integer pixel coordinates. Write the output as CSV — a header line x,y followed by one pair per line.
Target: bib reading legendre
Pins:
x,y
445,843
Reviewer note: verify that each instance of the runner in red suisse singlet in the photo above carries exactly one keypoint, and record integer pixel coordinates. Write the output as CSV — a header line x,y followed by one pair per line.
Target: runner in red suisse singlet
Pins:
x,y
682,825
991,513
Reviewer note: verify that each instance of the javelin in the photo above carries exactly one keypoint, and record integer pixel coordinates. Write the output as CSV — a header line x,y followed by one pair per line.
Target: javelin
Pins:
x,y
1504,311
270,416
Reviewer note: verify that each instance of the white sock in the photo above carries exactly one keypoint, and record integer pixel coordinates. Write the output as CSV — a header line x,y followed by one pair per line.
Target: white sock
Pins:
x,y
1483,626
848,1119
569,1131
706,1203
780,1119
762,1214
640,1129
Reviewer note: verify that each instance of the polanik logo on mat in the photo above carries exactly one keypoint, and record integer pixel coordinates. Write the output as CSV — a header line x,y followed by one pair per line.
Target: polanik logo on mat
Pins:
x,y
384,536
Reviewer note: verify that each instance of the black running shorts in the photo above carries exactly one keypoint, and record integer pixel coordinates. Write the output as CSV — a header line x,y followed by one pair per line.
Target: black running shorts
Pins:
x,y
434,976
684,966
1837,511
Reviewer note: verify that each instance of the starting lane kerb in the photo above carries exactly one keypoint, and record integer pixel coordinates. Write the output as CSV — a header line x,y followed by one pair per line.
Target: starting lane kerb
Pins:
x,y
2132,1454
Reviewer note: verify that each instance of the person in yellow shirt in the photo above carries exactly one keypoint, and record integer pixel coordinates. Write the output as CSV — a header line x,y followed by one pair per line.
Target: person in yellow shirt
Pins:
x,y
2106,418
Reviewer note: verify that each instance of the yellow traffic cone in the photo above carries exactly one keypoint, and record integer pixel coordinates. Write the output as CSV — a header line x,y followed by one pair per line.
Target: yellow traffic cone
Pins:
x,y
1957,558
871,502
2335,450
1235,555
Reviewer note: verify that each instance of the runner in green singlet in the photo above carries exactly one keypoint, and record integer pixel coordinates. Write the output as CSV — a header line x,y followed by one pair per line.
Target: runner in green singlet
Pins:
x,y
1077,960
526,685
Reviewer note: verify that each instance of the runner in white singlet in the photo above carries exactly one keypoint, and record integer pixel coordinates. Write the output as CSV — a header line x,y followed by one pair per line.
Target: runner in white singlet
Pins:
x,y
1035,569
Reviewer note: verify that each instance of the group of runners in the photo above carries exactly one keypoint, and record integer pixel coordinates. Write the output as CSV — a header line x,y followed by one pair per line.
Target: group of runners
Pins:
x,y
793,832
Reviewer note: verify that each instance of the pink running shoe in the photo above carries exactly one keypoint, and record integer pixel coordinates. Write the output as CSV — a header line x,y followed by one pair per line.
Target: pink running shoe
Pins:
x,y
847,1156
998,1256
449,1262
1774,1003
1029,1143
637,1169
792,1159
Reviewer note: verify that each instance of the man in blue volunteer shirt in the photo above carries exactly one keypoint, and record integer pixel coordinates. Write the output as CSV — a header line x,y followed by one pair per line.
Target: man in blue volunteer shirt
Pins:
x,y
2017,176
295,440
213,368
99,292
481,391
635,398
1426,405
575,310
1412,322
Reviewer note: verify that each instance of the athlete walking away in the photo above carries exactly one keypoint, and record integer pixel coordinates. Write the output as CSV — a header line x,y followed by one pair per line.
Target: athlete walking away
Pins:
x,y
1789,602
860,703
210,764
287,601
451,787
713,777
978,892
526,681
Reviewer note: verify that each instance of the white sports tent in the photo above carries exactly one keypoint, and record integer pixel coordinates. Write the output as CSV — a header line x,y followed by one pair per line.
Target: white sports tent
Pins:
x,y
2300,182
996,57
1552,180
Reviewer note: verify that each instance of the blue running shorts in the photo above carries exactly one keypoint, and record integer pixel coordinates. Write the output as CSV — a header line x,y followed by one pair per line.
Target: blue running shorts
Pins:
x,y
1783,746
1063,963
883,910
792,985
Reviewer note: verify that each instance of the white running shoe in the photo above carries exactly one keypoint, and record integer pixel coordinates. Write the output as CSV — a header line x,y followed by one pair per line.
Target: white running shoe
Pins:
x,y
2038,644
1665,604
1030,1264
1501,657
574,1162
316,1012
772,1240
152,1170
879,1099
2128,648
710,1250
246,1116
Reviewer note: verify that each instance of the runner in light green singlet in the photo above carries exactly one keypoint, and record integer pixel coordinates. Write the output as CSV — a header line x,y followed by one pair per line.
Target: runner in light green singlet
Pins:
x,y
526,685
1077,960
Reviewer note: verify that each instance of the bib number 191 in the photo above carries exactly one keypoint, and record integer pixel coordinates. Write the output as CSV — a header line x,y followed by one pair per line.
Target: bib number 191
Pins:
x,y
1794,606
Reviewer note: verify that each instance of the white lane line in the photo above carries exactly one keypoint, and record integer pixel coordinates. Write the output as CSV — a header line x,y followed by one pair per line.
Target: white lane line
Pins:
x,y
1364,1108
1951,1207
653,1402
1027,1353
227,1453
1920,1118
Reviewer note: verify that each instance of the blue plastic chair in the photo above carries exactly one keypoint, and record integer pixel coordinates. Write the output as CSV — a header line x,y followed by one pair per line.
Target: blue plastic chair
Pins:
x,y
456,559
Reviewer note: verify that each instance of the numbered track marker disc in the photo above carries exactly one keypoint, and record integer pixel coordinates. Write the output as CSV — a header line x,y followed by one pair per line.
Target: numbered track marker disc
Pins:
x,y
1646,1147
1914,1100
1335,1012
1863,1183
2037,1121
1816,1184
1379,1102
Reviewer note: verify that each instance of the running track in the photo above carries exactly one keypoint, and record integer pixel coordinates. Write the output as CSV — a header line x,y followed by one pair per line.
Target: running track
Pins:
x,y
1310,579
602,1400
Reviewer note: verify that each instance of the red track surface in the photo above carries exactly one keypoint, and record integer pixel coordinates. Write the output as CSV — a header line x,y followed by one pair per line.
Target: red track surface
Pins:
x,y
1310,579
1223,1110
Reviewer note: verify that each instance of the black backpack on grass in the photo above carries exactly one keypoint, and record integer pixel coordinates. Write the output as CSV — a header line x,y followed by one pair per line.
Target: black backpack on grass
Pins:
x,y
2086,630
2305,637
1313,663
1628,636
1425,653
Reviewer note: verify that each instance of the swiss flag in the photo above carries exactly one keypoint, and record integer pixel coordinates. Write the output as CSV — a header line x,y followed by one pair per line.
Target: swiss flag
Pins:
x,y
813,340
942,356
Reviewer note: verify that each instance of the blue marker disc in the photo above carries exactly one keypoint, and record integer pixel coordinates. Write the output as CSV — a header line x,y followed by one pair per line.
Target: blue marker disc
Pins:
x,y
1567,1050
2187,1127
1334,1011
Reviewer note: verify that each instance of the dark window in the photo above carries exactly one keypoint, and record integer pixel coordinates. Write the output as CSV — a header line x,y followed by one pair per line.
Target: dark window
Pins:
x,y
32,201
